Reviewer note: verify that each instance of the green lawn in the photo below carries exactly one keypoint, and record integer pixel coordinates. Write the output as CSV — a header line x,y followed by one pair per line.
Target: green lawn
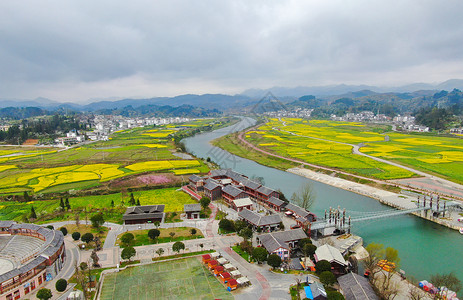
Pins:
x,y
49,209
180,279
181,234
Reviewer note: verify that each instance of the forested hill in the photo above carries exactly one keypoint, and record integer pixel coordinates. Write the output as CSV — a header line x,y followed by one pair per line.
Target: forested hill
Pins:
x,y
19,113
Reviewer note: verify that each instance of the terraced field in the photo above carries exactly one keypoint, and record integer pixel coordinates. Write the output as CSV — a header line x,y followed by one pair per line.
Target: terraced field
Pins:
x,y
438,155
127,152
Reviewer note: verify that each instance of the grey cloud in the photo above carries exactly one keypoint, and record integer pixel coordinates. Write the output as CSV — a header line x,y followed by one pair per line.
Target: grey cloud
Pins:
x,y
50,46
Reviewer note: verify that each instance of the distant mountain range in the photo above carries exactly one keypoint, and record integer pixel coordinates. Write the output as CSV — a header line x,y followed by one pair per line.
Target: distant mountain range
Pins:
x,y
244,100
332,90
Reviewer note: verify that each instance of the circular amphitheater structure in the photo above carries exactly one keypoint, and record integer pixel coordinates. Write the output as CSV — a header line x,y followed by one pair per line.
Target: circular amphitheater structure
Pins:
x,y
30,255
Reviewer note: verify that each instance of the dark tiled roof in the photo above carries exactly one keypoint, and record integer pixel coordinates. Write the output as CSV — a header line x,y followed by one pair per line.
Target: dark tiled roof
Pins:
x,y
221,172
356,287
276,201
6,224
317,290
192,207
195,178
258,219
297,210
232,191
144,209
265,190
274,240
250,184
157,215
211,184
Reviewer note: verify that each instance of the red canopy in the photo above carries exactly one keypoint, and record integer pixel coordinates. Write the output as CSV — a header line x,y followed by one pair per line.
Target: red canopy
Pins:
x,y
225,275
213,262
206,256
232,282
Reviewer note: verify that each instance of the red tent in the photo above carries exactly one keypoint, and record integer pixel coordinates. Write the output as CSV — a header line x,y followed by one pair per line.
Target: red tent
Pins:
x,y
206,258
225,277
212,264
218,270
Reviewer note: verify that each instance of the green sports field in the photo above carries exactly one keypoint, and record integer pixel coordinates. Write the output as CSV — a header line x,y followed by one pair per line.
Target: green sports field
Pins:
x,y
179,279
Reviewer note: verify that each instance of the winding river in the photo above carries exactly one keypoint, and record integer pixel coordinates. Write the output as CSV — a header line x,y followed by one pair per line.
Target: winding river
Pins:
x,y
425,248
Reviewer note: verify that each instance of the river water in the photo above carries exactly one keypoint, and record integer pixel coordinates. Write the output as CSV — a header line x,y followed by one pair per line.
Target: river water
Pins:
x,y
425,248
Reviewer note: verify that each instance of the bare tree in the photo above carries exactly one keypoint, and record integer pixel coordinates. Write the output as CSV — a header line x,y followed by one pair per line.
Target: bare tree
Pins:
x,y
305,197
81,279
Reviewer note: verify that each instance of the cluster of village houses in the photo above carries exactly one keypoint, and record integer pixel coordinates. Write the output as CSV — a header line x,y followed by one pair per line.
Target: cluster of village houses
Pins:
x,y
240,193
104,125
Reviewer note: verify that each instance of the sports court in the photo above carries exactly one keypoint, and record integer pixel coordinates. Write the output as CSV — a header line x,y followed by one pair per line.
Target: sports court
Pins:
x,y
179,279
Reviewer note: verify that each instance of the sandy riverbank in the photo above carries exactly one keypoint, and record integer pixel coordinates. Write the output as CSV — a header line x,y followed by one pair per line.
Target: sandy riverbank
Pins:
x,y
389,198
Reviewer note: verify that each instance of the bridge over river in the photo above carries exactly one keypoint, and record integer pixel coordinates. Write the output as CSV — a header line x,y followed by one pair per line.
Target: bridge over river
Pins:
x,y
342,220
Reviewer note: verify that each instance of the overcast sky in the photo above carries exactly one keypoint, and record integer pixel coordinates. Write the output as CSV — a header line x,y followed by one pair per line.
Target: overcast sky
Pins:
x,y
77,50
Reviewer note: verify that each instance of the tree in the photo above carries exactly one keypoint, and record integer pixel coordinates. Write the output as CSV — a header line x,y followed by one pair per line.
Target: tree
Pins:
x,y
61,203
127,238
95,259
160,251
282,196
61,285
87,237
83,266
306,196
376,253
50,227
177,246
171,235
245,233
132,199
153,234
334,295
156,224
64,230
274,260
27,198
259,254
97,220
112,203
33,215
205,202
449,280
227,225
67,204
281,225
327,278
322,266
77,219
246,247
309,250
303,242
240,224
138,202
44,294
193,231
76,236
128,253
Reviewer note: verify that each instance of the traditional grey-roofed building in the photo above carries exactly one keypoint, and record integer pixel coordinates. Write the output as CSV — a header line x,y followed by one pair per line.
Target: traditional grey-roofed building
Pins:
x,y
218,174
281,242
333,256
268,223
212,189
300,214
235,176
356,287
250,187
196,182
264,193
318,291
276,204
192,210
230,193
143,214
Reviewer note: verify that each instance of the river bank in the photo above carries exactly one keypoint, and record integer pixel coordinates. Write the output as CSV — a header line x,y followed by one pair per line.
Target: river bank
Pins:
x,y
399,201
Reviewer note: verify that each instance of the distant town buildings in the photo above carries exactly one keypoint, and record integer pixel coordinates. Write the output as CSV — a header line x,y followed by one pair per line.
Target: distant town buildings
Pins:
x,y
364,116
296,113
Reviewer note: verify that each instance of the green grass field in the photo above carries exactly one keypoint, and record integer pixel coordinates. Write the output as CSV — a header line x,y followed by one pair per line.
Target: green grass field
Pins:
x,y
128,152
173,199
433,154
179,279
